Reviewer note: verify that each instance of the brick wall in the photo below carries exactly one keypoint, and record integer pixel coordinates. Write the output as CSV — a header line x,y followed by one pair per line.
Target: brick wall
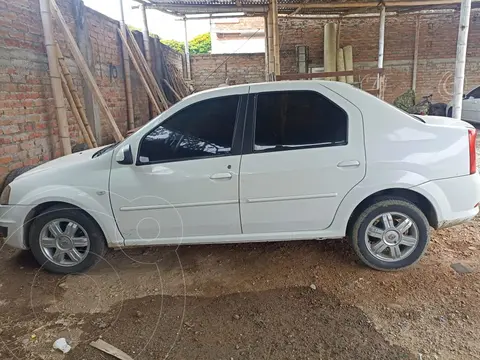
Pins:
x,y
28,126
209,71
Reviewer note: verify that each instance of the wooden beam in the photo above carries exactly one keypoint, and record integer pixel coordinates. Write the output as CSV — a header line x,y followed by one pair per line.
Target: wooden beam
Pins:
x,y
86,71
55,80
329,74
140,73
149,72
76,114
388,4
78,103
127,73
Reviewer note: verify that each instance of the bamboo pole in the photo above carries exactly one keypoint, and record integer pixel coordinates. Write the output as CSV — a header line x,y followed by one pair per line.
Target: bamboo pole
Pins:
x,y
86,71
271,50
172,89
276,37
149,72
341,64
267,50
461,58
330,49
381,47
187,50
415,54
140,73
146,36
78,103
348,56
127,74
55,80
75,112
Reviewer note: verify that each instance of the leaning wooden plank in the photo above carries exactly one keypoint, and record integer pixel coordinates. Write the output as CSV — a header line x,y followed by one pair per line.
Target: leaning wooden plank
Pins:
x,y
60,110
139,71
76,114
172,89
144,63
110,349
82,65
76,98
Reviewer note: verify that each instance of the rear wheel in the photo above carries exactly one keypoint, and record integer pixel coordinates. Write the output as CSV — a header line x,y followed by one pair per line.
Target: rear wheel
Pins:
x,y
65,240
390,235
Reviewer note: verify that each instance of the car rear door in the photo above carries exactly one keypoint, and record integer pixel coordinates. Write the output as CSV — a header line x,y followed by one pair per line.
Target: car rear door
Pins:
x,y
303,152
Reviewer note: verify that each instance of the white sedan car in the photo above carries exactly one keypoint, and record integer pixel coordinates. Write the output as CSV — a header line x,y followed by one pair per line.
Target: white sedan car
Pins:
x,y
470,107
261,162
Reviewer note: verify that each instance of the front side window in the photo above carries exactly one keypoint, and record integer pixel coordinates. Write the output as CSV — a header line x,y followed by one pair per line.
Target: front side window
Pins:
x,y
289,120
204,129
475,93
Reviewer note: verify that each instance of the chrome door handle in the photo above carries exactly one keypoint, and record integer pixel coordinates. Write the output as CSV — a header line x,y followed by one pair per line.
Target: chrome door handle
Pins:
x,y
349,164
221,176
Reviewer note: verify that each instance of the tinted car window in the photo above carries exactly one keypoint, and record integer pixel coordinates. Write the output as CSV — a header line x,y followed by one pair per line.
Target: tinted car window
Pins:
x,y
475,93
294,119
203,129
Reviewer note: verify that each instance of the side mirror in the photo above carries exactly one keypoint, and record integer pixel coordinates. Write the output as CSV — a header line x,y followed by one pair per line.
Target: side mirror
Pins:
x,y
124,156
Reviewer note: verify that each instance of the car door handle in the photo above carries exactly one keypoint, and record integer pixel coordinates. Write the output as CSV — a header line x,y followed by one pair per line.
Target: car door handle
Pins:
x,y
349,164
221,176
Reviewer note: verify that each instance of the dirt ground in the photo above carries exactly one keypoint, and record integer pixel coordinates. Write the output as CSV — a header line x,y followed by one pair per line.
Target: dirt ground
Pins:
x,y
252,301
293,300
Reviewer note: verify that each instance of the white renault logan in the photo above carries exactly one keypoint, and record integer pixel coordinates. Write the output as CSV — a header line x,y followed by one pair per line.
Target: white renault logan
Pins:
x,y
261,162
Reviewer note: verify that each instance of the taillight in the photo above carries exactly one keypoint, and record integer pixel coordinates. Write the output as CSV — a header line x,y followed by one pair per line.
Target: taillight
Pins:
x,y
472,137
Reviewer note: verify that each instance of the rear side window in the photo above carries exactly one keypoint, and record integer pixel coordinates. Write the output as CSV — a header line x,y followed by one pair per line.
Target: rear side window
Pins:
x,y
475,93
204,129
290,120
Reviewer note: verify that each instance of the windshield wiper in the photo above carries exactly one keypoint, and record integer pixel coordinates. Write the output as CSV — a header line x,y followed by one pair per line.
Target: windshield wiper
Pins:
x,y
104,150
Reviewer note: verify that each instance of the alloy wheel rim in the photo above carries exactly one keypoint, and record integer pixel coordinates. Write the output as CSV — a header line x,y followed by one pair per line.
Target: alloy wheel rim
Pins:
x,y
392,236
64,242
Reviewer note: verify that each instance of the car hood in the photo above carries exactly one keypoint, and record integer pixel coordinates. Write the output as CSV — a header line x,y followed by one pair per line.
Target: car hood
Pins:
x,y
445,121
62,162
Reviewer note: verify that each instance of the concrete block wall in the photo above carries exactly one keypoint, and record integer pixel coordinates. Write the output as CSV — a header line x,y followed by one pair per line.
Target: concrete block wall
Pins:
x,y
209,71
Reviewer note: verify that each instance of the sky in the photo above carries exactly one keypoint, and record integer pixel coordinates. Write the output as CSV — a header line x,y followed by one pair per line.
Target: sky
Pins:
x,y
163,25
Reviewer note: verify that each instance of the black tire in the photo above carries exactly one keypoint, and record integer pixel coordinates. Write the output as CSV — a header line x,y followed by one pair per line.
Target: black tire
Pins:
x,y
359,239
98,245
450,112
16,173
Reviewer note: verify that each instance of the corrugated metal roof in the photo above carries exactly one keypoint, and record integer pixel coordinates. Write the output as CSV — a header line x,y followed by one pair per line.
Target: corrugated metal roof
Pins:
x,y
298,7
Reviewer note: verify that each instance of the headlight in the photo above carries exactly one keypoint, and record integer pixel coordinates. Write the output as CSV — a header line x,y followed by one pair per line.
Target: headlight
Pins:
x,y
5,197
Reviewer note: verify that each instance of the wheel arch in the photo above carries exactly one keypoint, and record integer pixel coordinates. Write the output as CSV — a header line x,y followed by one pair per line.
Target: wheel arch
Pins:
x,y
41,208
400,193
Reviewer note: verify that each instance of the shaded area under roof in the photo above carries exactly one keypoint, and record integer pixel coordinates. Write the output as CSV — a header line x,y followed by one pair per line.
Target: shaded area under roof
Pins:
x,y
298,7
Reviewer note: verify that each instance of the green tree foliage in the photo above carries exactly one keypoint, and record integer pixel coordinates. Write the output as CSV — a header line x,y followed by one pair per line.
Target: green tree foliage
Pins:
x,y
175,45
201,44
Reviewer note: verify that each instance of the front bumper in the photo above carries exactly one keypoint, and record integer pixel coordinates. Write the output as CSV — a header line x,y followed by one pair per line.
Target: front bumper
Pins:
x,y
12,218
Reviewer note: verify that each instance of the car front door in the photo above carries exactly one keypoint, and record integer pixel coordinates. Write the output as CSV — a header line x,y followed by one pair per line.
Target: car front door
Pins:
x,y
303,152
471,106
184,183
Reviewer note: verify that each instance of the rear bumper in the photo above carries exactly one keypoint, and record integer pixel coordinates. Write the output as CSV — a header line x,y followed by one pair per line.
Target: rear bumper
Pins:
x,y
455,199
12,219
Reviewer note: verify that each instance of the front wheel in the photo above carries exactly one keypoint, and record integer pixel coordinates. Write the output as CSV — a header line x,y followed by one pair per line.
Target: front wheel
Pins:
x,y
391,234
66,240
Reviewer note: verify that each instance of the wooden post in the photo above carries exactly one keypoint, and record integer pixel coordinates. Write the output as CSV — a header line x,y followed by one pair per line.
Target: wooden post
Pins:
x,y
187,50
127,74
276,37
85,70
76,114
415,55
381,47
140,73
148,71
271,47
55,79
461,58
146,35
265,27
330,49
78,103
348,56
